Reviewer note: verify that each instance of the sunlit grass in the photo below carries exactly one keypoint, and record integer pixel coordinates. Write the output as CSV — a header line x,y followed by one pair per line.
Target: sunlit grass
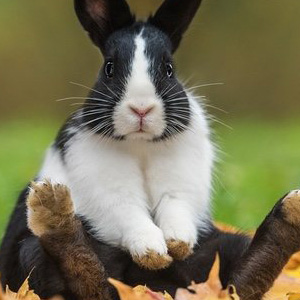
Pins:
x,y
261,163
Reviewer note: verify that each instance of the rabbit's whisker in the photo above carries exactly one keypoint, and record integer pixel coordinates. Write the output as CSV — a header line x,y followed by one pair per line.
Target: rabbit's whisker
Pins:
x,y
204,85
165,89
215,107
94,120
84,104
101,127
110,89
86,87
91,114
216,120
84,98
169,90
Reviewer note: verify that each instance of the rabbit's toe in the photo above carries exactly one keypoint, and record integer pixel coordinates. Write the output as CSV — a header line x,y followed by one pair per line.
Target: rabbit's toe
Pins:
x,y
179,250
291,207
49,207
153,260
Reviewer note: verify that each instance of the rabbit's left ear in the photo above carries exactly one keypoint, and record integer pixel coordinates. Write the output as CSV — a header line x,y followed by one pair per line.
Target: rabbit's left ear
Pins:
x,y
100,18
174,17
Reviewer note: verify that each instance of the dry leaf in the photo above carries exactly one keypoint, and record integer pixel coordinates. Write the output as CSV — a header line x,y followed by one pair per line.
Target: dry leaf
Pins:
x,y
24,293
138,293
210,290
286,287
293,296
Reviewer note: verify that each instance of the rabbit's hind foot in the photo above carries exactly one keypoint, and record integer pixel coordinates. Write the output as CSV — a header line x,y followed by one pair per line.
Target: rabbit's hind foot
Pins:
x,y
50,208
291,207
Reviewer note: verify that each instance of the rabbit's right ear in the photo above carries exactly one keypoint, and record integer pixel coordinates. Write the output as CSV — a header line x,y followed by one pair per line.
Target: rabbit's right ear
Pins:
x,y
100,18
174,16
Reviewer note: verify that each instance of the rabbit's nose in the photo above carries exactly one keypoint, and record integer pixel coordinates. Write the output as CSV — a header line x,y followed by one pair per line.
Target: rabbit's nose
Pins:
x,y
141,112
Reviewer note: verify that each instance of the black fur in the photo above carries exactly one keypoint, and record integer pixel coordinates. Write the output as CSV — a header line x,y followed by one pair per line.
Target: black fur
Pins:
x,y
107,92
96,114
175,100
111,27
174,17
101,18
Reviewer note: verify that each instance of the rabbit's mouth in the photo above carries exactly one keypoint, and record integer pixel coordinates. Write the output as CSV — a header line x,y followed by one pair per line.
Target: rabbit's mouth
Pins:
x,y
140,135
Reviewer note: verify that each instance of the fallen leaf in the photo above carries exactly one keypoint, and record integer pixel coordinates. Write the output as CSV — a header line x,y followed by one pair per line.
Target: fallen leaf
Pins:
x,y
138,293
293,296
24,293
209,290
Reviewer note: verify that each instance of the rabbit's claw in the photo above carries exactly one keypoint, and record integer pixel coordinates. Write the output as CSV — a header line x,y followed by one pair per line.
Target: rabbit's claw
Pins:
x,y
153,260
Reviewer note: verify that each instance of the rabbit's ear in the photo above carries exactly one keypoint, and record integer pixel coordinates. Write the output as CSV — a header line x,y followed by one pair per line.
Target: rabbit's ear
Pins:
x,y
174,17
100,18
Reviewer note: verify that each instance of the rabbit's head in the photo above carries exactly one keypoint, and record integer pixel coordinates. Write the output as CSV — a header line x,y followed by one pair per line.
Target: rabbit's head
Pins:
x,y
137,94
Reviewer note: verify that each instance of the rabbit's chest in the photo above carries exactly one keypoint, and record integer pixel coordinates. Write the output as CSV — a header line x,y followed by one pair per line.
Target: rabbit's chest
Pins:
x,y
98,174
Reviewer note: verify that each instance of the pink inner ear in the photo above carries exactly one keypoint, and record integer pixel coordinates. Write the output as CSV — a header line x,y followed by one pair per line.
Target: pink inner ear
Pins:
x,y
96,9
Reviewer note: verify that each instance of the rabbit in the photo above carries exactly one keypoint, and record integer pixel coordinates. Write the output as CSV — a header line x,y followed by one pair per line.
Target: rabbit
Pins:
x,y
125,187
137,156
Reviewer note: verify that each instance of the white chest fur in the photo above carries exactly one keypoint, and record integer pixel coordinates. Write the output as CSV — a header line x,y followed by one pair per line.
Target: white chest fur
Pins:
x,y
137,194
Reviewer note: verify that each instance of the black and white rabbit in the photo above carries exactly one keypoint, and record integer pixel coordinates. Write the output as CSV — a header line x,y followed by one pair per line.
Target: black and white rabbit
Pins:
x,y
137,156
138,159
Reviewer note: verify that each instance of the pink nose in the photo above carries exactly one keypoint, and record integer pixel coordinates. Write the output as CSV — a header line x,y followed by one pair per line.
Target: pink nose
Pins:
x,y
141,112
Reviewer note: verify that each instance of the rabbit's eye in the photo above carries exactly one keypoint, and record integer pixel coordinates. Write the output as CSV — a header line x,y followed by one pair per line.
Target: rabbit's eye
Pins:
x,y
169,70
109,69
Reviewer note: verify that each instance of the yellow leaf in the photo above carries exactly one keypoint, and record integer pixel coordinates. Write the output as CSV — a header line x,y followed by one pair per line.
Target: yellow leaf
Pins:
x,y
128,293
209,290
293,272
140,292
24,293
293,296
23,290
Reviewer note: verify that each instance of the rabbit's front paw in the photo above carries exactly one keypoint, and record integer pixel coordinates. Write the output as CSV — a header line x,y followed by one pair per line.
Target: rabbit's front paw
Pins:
x,y
178,249
148,248
49,208
180,240
152,260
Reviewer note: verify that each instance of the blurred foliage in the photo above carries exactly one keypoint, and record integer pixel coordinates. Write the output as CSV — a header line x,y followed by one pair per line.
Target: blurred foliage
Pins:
x,y
253,47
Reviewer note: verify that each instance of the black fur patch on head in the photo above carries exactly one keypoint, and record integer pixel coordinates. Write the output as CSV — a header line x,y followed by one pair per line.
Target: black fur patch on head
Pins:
x,y
97,113
173,17
168,88
100,18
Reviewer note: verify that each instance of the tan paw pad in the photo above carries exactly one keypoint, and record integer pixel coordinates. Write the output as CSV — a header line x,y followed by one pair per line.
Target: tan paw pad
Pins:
x,y
153,260
49,207
291,207
178,249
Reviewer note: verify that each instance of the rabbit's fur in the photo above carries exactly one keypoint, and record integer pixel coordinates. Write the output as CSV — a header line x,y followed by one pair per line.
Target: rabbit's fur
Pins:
x,y
137,155
137,159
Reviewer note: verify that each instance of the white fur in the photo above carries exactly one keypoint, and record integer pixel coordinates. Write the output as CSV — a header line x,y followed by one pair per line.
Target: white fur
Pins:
x,y
140,94
137,194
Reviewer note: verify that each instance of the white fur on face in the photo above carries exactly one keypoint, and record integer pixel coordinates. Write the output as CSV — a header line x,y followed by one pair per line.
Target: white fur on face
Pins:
x,y
141,95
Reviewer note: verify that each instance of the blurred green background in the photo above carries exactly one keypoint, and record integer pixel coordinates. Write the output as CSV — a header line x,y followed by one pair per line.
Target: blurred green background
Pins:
x,y
252,47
